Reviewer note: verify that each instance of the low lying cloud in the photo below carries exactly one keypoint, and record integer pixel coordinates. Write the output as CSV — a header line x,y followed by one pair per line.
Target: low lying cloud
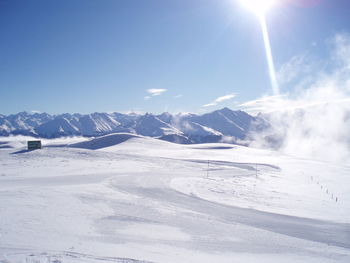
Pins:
x,y
17,141
313,121
153,93
264,104
220,99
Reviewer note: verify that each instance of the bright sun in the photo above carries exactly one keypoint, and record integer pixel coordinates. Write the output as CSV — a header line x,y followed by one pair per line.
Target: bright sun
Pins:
x,y
260,7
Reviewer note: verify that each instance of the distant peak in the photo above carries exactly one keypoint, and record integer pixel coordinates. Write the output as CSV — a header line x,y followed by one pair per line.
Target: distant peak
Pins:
x,y
165,114
226,110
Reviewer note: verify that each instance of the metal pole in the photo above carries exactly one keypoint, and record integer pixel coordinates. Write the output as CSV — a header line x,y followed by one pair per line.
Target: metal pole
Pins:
x,y
208,170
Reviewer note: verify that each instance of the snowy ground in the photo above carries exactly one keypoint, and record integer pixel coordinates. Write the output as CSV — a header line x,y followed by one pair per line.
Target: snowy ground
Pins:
x,y
136,199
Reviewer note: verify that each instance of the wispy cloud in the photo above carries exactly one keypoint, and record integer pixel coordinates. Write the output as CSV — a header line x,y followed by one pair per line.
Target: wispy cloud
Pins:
x,y
263,104
300,67
156,92
220,99
178,96
153,93
283,103
133,112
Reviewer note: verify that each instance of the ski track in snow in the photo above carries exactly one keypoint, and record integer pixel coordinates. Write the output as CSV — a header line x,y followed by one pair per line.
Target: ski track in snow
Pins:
x,y
145,200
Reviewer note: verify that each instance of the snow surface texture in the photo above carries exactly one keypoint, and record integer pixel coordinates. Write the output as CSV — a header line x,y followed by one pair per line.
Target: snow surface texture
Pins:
x,y
127,198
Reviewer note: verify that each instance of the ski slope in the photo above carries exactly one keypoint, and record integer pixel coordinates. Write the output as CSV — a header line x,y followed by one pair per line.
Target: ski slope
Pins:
x,y
123,198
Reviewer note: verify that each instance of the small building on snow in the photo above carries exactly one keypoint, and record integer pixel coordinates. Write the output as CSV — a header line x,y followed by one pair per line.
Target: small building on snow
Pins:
x,y
34,145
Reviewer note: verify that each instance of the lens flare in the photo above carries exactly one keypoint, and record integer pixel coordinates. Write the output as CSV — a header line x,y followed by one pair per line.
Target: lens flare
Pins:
x,y
270,63
258,6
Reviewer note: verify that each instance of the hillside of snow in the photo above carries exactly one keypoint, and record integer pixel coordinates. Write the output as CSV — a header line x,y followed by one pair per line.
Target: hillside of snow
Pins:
x,y
129,198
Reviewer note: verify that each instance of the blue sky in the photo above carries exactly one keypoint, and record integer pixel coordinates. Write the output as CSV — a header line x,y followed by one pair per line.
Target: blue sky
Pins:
x,y
151,55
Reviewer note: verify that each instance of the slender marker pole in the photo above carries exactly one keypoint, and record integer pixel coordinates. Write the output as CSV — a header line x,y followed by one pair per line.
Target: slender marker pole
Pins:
x,y
208,170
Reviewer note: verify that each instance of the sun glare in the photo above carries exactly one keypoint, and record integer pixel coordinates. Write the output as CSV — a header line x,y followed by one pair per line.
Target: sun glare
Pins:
x,y
260,7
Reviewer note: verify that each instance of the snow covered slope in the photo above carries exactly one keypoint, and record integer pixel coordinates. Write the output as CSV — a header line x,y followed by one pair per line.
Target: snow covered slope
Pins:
x,y
104,141
139,199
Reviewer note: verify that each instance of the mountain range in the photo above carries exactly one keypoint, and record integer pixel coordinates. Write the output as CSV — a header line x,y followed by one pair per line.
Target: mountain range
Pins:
x,y
220,125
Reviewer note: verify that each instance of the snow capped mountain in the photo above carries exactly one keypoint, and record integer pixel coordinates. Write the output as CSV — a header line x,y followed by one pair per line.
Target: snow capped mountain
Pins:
x,y
226,122
180,128
149,125
166,117
22,123
98,123
126,120
57,127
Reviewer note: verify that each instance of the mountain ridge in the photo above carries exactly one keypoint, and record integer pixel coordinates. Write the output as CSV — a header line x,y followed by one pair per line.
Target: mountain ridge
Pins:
x,y
180,128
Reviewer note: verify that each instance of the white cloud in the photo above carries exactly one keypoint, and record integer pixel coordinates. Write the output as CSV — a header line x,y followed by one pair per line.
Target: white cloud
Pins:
x,y
299,67
341,54
178,96
220,99
133,112
264,104
284,103
153,92
156,92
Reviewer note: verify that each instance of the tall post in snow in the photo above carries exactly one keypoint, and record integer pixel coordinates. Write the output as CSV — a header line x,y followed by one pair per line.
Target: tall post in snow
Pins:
x,y
208,170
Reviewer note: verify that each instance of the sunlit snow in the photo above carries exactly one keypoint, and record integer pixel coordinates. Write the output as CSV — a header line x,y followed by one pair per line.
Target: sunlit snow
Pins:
x,y
128,198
